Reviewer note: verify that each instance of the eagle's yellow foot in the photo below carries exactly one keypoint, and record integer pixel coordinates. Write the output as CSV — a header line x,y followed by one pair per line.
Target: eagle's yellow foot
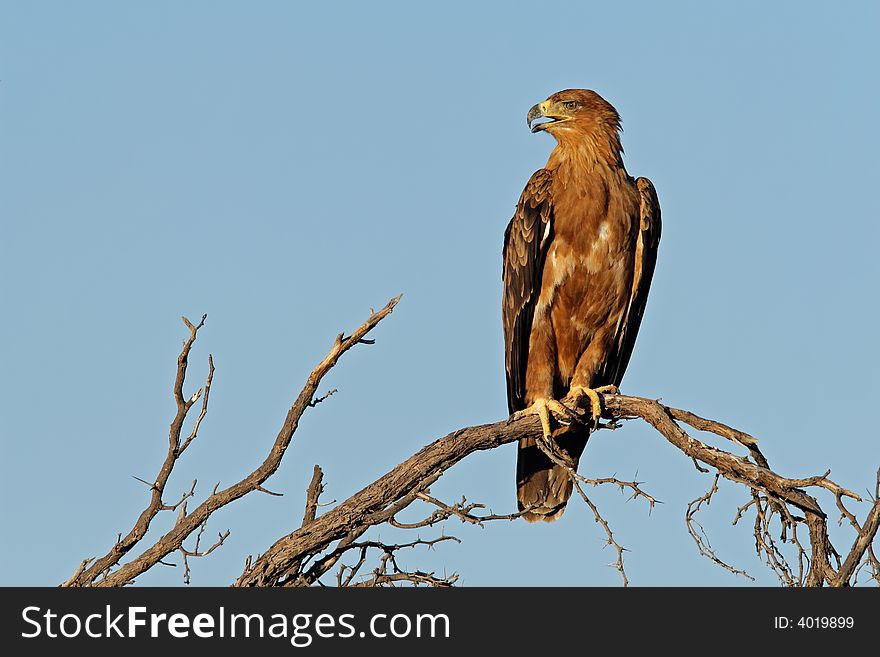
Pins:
x,y
579,392
542,408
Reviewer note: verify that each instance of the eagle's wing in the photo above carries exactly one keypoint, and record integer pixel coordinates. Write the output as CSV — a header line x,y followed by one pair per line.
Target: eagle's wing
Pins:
x,y
525,246
647,241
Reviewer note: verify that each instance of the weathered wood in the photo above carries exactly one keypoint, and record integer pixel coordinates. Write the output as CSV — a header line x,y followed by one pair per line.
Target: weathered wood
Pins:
x,y
282,564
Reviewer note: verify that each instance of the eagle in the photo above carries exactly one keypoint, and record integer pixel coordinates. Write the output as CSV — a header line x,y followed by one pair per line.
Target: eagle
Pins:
x,y
579,255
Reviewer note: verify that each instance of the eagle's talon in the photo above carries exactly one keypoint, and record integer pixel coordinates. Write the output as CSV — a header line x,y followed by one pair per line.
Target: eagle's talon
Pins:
x,y
563,411
579,392
543,407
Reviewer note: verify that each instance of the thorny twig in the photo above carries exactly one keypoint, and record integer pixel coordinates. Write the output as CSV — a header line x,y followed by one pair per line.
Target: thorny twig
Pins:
x,y
695,529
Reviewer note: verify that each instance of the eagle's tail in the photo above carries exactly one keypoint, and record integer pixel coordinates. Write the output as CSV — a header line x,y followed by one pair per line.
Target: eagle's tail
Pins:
x,y
543,487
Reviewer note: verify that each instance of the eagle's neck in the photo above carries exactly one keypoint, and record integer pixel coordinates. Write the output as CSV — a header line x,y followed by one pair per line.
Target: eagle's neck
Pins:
x,y
580,154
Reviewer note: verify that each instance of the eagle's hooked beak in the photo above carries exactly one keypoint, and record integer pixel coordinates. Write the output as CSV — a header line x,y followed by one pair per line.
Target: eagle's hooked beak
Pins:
x,y
543,110
535,113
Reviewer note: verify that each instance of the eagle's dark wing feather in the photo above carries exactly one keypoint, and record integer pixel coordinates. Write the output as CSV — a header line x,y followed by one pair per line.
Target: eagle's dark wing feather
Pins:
x,y
525,245
647,241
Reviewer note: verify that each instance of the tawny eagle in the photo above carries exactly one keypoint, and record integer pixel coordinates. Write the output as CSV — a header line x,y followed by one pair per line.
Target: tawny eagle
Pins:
x,y
579,255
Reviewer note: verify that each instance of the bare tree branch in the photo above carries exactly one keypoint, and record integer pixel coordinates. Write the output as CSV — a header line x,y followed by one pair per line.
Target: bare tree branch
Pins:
x,y
618,563
863,541
461,510
304,556
695,529
102,565
312,494
173,540
204,411
370,505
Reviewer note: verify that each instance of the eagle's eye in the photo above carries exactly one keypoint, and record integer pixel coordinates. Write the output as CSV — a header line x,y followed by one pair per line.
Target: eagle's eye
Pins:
x,y
569,104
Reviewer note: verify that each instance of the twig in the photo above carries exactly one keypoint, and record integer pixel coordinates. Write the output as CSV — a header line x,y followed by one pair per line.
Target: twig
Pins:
x,y
318,400
381,575
695,529
204,411
316,487
618,563
196,552
461,510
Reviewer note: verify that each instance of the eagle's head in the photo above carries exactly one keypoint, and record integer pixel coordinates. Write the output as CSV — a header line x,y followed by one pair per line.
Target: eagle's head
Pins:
x,y
574,113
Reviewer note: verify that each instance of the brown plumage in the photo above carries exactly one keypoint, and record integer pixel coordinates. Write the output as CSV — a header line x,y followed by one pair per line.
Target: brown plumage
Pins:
x,y
579,254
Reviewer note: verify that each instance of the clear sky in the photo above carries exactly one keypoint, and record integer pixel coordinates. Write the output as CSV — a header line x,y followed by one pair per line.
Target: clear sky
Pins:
x,y
286,166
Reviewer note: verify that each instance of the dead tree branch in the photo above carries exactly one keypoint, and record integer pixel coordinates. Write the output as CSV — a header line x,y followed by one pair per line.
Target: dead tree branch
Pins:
x,y
186,525
319,544
378,502
101,566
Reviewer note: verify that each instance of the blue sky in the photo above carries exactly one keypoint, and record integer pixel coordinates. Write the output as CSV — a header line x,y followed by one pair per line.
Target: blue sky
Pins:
x,y
284,167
